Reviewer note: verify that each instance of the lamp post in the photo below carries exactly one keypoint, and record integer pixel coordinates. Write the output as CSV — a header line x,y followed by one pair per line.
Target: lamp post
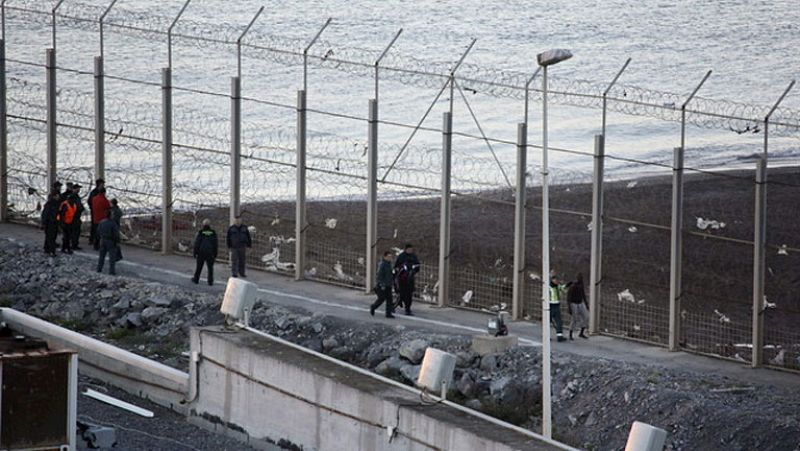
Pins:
x,y
546,59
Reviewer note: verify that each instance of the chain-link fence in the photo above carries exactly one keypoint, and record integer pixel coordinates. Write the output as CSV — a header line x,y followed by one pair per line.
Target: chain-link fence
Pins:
x,y
634,301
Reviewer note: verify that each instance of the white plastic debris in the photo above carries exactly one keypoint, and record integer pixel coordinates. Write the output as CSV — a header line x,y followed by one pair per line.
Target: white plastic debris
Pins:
x,y
467,297
275,221
311,272
331,223
337,268
251,229
626,295
395,234
118,403
272,257
633,229
361,261
498,262
637,328
722,317
779,359
783,250
397,250
589,226
709,224
182,247
632,184
535,276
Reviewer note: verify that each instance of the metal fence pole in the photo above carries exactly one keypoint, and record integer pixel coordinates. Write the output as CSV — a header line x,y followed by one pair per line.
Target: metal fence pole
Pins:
x,y
300,214
444,218
99,120
51,117
596,273
676,248
372,196
166,162
3,136
759,261
236,147
518,295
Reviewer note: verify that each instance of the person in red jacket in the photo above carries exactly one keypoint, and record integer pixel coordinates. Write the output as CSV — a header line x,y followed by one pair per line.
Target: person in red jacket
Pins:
x,y
100,207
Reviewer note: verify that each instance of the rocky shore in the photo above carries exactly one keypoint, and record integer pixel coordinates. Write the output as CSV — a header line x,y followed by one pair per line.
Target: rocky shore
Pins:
x,y
595,400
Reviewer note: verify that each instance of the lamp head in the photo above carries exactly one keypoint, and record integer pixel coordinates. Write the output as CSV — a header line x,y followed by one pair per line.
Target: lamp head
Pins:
x,y
553,56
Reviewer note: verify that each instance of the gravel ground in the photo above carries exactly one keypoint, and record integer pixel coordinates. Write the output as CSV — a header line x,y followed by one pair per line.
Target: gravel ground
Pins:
x,y
595,399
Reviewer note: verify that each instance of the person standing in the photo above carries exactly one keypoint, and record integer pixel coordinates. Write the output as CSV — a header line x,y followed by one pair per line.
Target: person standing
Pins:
x,y
108,234
238,240
76,224
50,223
556,292
205,251
116,212
406,268
578,307
98,185
67,211
99,207
384,286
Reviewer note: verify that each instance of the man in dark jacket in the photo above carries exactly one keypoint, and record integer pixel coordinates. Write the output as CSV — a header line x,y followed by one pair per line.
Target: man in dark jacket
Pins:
x,y
578,307
238,240
108,234
205,251
76,224
116,212
50,223
406,268
384,286
99,184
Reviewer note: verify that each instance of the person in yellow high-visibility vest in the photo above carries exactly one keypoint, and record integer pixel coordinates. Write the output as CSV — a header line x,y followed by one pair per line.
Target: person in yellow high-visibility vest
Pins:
x,y
556,294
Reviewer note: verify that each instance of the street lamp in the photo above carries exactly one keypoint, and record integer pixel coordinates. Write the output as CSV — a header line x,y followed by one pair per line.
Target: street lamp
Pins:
x,y
546,59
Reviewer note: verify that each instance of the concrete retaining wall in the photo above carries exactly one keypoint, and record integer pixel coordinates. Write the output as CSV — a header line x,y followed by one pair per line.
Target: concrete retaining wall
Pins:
x,y
130,372
275,395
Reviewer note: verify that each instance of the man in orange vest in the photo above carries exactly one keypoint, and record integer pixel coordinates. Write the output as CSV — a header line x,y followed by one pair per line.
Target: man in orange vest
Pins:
x,y
66,216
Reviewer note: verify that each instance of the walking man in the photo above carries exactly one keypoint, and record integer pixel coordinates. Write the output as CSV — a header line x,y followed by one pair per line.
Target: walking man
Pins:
x,y
384,287
578,307
67,211
205,251
238,240
108,234
50,223
405,268
99,184
556,290
99,206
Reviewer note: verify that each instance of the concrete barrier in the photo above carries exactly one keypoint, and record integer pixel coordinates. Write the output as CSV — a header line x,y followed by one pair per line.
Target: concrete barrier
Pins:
x,y
276,395
135,374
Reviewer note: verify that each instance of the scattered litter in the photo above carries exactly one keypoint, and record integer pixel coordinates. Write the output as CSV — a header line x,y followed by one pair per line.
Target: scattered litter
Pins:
x,y
706,224
397,250
311,273
626,295
182,247
272,257
632,184
331,223
251,229
337,268
535,276
361,261
783,250
779,359
589,226
498,262
467,297
733,389
739,358
722,317
768,304
632,229
275,221
637,328
395,234
118,403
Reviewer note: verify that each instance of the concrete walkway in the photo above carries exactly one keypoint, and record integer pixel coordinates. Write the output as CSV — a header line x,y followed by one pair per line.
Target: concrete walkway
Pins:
x,y
354,304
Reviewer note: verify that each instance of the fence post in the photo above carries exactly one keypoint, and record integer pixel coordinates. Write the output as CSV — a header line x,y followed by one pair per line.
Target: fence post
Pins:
x,y
50,67
166,160
759,261
372,196
300,214
3,136
444,218
520,202
676,251
596,272
99,120
236,147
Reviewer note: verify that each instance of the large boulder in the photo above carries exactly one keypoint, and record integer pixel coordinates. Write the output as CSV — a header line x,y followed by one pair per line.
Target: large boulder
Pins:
x,y
414,350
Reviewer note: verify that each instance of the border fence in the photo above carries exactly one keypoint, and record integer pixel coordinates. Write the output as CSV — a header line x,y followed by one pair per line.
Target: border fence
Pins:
x,y
676,254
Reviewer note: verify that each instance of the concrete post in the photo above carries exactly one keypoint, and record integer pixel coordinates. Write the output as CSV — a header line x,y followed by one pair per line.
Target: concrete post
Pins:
x,y
236,147
99,120
520,201
166,162
50,67
3,136
759,261
596,272
372,196
300,214
676,251
444,218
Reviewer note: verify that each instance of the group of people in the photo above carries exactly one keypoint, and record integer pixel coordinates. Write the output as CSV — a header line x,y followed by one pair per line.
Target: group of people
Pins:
x,y
577,305
398,277
205,249
63,213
